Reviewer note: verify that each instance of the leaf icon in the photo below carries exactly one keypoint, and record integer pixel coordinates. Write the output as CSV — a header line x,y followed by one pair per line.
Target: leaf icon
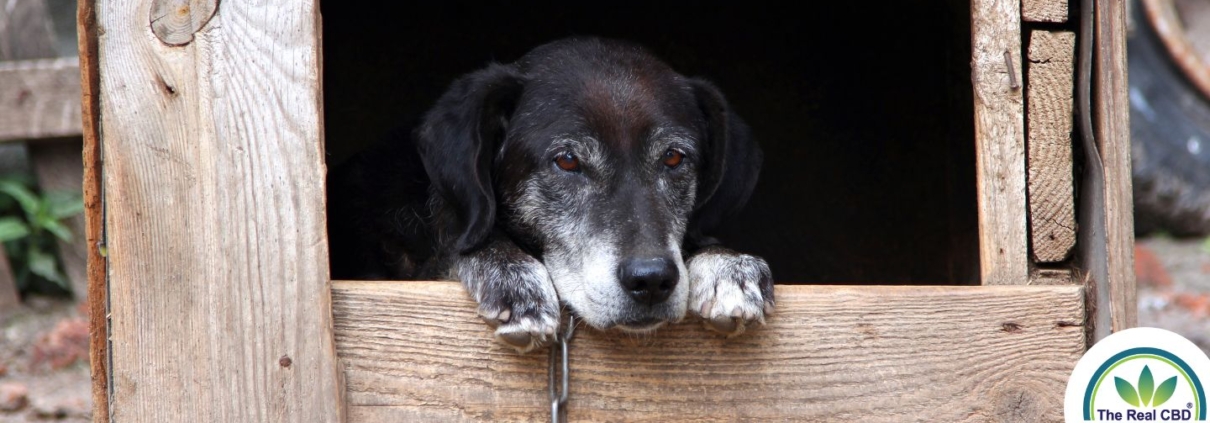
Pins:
x,y
1146,386
1126,391
1164,391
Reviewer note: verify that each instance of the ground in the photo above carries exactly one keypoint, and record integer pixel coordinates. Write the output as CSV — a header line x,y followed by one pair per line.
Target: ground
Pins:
x,y
44,363
1174,286
44,345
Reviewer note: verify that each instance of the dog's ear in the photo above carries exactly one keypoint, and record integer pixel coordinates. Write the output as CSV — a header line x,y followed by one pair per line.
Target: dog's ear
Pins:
x,y
458,141
732,161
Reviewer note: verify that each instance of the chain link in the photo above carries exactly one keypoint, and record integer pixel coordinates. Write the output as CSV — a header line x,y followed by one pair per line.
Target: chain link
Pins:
x,y
558,354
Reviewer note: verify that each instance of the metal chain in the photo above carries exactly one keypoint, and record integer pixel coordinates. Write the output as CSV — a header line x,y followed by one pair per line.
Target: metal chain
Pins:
x,y
558,354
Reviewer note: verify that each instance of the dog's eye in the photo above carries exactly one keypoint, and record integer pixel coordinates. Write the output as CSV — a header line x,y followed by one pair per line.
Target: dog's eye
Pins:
x,y
568,162
673,158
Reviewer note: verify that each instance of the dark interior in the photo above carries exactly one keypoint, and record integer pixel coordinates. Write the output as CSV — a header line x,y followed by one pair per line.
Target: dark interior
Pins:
x,y
864,111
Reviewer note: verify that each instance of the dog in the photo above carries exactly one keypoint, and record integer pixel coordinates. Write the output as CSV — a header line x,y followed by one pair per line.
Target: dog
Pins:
x,y
588,174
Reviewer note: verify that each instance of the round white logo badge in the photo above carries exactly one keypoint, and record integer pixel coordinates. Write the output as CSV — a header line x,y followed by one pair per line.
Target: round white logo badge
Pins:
x,y
1139,375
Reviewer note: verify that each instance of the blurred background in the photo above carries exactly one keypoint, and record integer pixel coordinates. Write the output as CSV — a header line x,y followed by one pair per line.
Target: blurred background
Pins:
x,y
44,333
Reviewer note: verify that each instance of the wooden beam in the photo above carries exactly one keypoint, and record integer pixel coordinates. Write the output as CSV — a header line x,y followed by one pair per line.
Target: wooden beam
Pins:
x,y
1052,215
416,351
94,211
39,99
25,31
10,299
214,217
1112,129
57,164
1000,141
1054,11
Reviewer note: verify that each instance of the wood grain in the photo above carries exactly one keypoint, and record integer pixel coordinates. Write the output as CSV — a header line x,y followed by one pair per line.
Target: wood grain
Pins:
x,y
1052,216
1112,128
1054,11
94,211
1000,141
25,30
10,300
213,185
39,99
416,351
57,164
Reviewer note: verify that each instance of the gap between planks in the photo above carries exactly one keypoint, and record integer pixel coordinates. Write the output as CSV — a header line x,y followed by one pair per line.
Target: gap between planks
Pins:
x,y
416,351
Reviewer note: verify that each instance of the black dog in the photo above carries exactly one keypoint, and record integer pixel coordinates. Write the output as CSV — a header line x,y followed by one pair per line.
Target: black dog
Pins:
x,y
588,172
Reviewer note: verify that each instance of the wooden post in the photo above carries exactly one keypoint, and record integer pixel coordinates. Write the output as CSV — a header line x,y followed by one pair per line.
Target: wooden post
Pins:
x,y
1112,129
214,215
1052,215
1000,141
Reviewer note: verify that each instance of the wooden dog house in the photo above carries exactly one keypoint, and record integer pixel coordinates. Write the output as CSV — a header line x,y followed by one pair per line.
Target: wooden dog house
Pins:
x,y
210,295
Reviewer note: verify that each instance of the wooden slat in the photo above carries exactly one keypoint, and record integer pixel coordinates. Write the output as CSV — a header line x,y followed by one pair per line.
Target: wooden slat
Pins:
x,y
1052,216
39,99
1044,10
10,300
1112,128
416,351
57,164
1000,141
94,211
25,30
213,186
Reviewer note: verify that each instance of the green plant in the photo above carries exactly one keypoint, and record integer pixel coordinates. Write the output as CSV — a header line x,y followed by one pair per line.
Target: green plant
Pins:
x,y
29,225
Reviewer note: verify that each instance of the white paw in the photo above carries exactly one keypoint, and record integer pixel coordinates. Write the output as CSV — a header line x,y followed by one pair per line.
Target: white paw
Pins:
x,y
729,290
516,298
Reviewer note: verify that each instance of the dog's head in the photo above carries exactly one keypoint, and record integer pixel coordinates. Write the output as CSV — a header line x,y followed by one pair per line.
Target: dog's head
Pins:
x,y
599,159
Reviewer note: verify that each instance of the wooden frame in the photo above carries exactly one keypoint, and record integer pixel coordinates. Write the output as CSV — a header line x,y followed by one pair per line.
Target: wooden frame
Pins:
x,y
210,299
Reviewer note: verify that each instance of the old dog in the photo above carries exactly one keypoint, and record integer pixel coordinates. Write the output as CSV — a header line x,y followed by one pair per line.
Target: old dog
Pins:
x,y
587,174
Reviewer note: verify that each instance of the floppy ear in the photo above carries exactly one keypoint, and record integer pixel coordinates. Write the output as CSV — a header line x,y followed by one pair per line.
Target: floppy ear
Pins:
x,y
731,159
457,142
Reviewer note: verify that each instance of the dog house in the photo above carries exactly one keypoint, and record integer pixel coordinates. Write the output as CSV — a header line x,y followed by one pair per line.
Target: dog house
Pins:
x,y
951,203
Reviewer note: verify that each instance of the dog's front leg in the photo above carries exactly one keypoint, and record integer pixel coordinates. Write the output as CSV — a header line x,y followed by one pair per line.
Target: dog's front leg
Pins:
x,y
729,290
514,292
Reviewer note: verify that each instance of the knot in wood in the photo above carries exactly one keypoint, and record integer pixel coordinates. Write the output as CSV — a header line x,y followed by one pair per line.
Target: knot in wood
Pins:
x,y
175,21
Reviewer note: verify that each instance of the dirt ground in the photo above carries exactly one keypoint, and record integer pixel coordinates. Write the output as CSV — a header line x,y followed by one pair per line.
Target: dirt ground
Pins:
x,y
44,345
1174,286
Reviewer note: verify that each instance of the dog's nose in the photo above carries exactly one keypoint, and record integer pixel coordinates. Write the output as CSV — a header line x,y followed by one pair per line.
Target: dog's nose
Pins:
x,y
649,280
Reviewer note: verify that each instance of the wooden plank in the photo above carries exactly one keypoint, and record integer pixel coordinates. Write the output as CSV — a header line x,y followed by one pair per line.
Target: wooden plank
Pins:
x,y
39,99
10,299
1054,11
57,164
1112,129
25,31
416,351
213,185
1052,215
94,211
1000,141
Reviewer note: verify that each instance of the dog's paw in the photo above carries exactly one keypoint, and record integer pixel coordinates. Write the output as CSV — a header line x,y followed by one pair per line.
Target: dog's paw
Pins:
x,y
516,298
729,290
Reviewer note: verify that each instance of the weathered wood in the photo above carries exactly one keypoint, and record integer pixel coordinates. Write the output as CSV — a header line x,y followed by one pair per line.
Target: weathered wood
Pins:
x,y
57,164
94,211
1112,128
416,351
1000,141
25,30
1052,216
1051,277
39,99
175,21
213,186
10,299
1044,10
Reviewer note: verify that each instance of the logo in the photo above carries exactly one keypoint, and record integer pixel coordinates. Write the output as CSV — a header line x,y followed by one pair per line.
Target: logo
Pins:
x,y
1140,374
